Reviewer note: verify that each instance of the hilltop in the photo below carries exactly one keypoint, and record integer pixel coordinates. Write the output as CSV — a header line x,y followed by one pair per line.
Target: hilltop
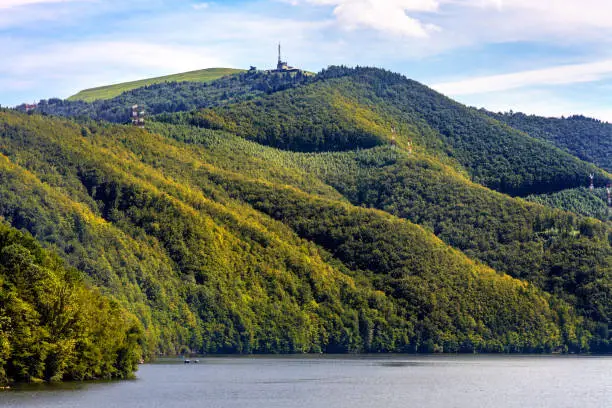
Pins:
x,y
111,91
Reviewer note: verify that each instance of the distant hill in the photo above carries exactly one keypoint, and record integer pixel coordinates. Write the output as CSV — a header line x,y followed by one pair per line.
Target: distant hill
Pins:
x,y
168,97
591,203
586,138
111,91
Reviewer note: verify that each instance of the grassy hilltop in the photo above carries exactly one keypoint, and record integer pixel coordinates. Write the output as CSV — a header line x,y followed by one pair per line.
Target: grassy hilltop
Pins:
x,y
110,91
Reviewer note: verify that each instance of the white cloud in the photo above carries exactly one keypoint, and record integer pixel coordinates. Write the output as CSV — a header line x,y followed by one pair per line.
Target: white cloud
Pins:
x,y
562,22
470,22
389,16
200,6
566,74
80,57
6,4
67,68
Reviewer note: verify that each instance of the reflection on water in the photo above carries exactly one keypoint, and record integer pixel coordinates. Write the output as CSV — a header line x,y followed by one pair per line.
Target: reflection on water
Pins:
x,y
339,382
403,363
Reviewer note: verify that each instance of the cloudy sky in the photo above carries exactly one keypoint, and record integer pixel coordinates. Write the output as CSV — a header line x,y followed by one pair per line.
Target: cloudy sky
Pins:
x,y
549,57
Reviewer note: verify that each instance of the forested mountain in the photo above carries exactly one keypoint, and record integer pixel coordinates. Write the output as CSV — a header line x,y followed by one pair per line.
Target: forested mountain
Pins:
x,y
189,247
592,203
366,106
586,138
353,211
174,96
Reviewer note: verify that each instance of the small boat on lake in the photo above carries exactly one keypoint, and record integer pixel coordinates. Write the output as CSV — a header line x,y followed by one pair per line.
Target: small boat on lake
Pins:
x,y
187,361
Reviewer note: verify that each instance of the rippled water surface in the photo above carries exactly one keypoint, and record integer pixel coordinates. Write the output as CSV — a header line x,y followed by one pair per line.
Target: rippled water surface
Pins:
x,y
342,382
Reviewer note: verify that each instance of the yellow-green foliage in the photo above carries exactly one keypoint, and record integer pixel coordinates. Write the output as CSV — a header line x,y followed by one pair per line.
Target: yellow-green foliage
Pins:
x,y
110,91
217,246
54,326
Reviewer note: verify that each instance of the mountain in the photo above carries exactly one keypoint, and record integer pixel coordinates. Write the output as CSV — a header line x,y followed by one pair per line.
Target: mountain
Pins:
x,y
583,201
171,97
377,102
586,138
352,211
111,91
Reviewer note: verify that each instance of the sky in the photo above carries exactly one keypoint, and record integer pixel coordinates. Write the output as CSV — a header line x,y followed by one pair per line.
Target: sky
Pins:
x,y
545,57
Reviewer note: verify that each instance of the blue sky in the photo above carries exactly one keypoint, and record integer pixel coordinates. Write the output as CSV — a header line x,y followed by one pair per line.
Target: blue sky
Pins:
x,y
548,57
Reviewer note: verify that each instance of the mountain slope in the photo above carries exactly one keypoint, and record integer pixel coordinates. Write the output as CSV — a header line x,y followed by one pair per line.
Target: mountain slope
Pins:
x,y
174,96
111,91
527,241
580,200
588,139
348,202
253,265
367,106
53,325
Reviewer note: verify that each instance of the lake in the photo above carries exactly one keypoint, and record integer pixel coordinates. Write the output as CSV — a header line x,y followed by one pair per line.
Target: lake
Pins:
x,y
342,382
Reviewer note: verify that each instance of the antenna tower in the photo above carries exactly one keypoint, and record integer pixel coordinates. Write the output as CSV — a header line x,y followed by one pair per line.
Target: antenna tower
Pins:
x,y
592,185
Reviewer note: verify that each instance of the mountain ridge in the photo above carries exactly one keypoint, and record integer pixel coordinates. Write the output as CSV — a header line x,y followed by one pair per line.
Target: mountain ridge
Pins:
x,y
110,91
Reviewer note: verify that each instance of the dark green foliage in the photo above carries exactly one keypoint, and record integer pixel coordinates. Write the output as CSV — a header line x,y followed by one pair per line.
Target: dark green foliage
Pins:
x,y
512,236
174,96
454,304
53,326
314,118
343,108
508,234
586,138
579,200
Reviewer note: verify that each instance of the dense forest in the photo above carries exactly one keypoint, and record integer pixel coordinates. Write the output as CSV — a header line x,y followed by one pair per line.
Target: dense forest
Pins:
x,y
586,138
583,201
174,96
53,324
527,241
364,106
352,211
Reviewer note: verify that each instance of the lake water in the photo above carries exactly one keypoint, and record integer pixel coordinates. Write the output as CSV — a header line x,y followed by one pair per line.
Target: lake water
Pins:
x,y
342,382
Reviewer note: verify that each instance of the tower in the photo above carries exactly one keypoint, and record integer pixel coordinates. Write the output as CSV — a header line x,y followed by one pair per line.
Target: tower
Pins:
x,y
592,185
281,65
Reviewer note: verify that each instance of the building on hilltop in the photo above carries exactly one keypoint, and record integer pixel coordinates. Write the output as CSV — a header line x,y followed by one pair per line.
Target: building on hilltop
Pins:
x,y
282,66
